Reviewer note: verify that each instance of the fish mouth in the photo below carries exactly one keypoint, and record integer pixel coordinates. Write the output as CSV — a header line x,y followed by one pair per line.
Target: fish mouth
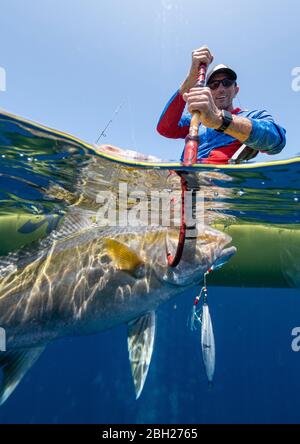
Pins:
x,y
196,260
225,255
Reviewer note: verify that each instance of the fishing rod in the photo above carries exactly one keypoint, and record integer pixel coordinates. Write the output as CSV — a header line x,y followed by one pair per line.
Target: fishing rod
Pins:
x,y
192,139
103,134
189,158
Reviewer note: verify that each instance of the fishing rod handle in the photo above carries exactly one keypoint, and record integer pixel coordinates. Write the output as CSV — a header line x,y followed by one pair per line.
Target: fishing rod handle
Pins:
x,y
192,140
195,121
202,75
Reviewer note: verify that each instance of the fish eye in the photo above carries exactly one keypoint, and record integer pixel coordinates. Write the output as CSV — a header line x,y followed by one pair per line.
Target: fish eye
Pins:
x,y
140,271
104,259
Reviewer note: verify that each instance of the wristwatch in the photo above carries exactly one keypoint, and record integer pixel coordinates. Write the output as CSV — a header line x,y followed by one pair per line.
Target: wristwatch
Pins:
x,y
227,119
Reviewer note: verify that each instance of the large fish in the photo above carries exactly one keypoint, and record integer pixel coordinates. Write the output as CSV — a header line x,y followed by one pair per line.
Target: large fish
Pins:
x,y
84,279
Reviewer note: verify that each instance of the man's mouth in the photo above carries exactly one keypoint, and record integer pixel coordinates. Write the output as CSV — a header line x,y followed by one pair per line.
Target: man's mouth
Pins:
x,y
221,97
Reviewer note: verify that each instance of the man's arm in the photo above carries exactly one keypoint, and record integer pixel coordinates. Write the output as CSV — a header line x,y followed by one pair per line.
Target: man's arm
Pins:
x,y
258,130
199,56
171,122
266,135
240,128
260,133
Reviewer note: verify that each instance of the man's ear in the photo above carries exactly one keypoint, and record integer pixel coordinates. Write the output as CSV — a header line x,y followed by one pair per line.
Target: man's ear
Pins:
x,y
237,90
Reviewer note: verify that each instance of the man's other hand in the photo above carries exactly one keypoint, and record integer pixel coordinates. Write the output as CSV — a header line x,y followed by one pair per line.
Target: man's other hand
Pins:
x,y
199,56
200,99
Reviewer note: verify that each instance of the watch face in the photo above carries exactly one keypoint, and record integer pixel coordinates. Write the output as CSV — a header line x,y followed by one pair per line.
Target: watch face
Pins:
x,y
227,115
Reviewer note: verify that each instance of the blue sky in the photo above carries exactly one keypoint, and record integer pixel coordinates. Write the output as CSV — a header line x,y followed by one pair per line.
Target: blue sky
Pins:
x,y
70,63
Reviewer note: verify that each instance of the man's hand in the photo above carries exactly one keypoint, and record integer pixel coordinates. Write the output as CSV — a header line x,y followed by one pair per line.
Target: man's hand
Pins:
x,y
200,55
200,99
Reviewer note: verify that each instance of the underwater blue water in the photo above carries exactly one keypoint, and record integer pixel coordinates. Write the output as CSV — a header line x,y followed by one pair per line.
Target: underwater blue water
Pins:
x,y
87,379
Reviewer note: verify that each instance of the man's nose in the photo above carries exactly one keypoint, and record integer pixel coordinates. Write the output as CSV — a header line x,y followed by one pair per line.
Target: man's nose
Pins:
x,y
221,88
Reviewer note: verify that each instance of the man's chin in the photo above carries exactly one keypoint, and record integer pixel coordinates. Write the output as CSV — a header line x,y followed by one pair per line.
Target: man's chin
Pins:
x,y
222,105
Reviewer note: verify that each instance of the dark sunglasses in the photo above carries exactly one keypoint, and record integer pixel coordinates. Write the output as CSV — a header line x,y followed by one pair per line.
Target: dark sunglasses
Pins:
x,y
227,83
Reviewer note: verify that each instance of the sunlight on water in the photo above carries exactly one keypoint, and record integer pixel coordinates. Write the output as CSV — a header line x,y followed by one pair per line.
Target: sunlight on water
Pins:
x,y
43,172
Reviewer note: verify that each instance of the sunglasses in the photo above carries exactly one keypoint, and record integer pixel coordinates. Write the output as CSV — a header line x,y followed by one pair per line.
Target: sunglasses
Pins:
x,y
227,83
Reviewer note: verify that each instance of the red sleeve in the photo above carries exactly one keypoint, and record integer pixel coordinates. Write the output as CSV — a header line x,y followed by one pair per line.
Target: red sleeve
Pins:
x,y
171,123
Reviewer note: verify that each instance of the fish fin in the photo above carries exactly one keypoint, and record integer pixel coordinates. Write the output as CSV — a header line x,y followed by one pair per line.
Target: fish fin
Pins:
x,y
141,334
124,258
14,365
75,220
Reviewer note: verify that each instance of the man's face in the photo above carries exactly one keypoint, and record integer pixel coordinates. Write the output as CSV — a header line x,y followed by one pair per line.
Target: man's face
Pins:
x,y
223,96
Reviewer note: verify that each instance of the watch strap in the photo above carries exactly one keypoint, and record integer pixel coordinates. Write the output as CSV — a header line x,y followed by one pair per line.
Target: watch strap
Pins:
x,y
227,119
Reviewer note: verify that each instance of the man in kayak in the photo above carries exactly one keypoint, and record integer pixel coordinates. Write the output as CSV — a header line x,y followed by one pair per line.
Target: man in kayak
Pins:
x,y
223,129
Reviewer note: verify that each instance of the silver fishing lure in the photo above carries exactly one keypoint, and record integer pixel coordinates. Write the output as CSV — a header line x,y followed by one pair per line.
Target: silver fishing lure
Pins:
x,y
208,343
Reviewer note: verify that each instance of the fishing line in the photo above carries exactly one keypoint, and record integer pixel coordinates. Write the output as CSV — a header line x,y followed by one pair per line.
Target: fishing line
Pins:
x,y
197,311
